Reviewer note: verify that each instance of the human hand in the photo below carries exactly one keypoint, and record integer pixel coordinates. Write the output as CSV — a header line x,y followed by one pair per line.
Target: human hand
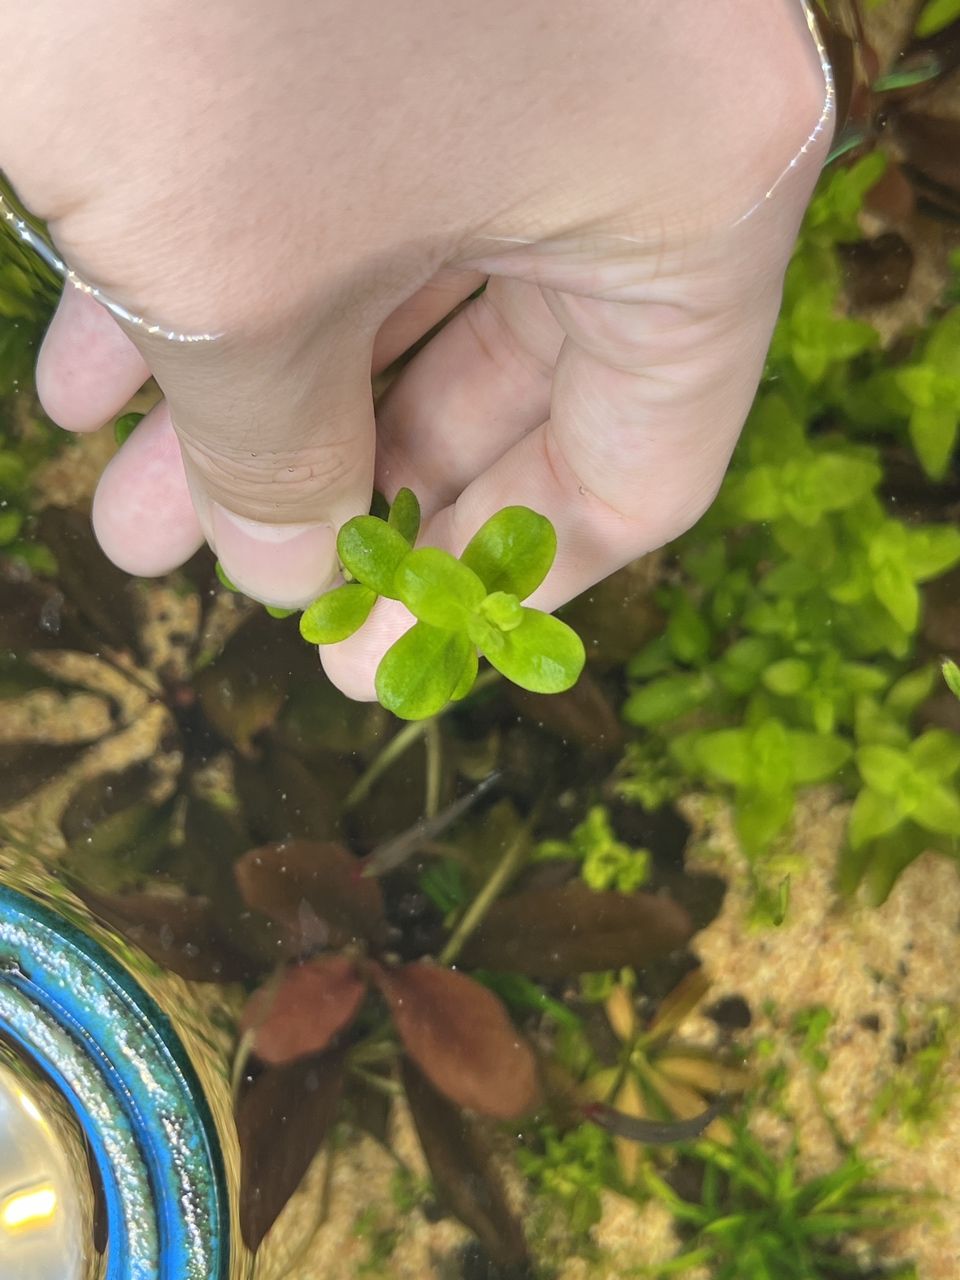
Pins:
x,y
320,183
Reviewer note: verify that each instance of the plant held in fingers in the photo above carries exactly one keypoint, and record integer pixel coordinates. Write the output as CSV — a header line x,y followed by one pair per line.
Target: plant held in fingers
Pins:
x,y
461,607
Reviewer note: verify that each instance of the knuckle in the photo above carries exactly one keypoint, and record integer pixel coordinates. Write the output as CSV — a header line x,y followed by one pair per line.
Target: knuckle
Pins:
x,y
290,481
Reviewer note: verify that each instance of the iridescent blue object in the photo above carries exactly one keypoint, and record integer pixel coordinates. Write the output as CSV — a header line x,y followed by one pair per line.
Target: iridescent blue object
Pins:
x,y
69,1006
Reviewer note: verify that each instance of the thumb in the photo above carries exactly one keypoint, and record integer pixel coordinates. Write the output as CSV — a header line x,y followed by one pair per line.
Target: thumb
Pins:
x,y
276,451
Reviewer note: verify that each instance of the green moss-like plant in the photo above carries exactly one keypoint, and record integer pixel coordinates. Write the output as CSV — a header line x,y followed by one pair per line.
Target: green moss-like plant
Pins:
x,y
787,658
758,1217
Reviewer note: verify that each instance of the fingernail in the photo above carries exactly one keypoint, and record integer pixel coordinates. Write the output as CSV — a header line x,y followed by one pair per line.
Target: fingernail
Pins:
x,y
287,565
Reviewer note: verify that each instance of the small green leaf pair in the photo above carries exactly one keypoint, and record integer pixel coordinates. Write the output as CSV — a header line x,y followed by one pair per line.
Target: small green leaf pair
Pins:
x,y
461,606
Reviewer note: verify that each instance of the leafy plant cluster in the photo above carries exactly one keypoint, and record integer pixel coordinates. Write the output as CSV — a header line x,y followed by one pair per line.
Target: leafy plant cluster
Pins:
x,y
461,606
606,862
788,652
739,1208
756,1216
27,295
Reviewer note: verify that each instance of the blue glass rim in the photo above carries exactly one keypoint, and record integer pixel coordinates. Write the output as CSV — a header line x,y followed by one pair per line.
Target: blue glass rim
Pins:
x,y
114,1055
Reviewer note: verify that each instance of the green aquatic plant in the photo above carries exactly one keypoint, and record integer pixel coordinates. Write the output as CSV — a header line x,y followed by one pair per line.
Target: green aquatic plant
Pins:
x,y
930,383
793,612
27,298
28,293
658,1072
920,1089
951,675
757,1216
461,606
605,861
909,802
936,15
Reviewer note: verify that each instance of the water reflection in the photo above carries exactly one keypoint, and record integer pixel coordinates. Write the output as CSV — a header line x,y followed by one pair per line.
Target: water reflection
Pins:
x,y
46,1197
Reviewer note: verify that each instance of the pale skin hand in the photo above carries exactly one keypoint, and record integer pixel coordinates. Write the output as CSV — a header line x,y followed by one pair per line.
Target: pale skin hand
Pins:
x,y
321,181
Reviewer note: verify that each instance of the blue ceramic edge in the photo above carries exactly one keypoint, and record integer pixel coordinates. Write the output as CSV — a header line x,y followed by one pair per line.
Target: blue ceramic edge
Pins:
x,y
120,1027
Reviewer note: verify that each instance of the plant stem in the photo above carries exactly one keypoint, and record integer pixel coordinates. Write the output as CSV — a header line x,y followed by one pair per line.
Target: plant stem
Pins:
x,y
390,1087
400,742
431,741
395,748
503,872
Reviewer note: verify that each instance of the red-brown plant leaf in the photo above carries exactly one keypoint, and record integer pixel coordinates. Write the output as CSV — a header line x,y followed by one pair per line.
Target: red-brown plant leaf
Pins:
x,y
302,1012
876,271
282,1120
892,196
932,146
461,1037
555,933
464,1174
314,891
584,714
180,933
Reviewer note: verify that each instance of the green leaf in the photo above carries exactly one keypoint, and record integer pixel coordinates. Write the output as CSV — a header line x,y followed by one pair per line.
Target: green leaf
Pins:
x,y
503,610
933,433
883,860
935,15
895,590
512,552
372,552
420,672
787,677
542,654
11,522
725,755
951,674
936,753
884,768
756,495
13,473
222,577
653,659
125,426
760,816
337,614
932,550
438,589
468,676
687,634
840,481
909,78
943,345
666,699
939,810
772,757
910,691
817,756
872,815
405,515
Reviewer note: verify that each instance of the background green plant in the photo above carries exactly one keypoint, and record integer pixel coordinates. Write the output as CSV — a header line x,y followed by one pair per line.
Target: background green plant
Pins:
x,y
789,652
28,291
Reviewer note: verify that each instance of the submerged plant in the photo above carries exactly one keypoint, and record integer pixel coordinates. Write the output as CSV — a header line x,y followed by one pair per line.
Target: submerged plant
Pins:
x,y
27,298
344,1009
794,613
606,862
461,606
757,1216
658,1074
